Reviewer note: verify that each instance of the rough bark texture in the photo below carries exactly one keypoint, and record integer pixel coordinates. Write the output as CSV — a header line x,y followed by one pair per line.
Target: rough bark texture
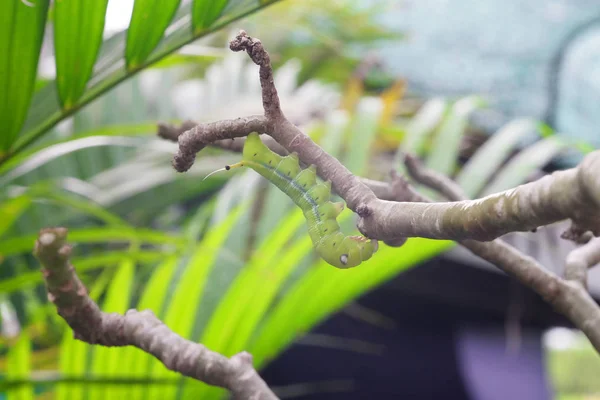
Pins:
x,y
198,137
141,329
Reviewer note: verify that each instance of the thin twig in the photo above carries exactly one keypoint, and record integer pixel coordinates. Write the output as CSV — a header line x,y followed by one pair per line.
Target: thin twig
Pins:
x,y
260,57
141,329
172,133
195,139
382,190
581,259
446,187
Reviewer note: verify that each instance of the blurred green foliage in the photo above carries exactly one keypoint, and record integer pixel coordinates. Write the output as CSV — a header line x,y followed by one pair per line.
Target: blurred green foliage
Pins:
x,y
205,256
574,371
330,38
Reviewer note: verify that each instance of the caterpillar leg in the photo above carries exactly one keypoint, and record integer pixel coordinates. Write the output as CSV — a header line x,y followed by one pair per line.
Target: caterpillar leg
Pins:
x,y
346,251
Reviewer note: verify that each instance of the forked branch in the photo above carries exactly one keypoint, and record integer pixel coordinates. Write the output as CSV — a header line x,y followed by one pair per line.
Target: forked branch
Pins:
x,y
581,259
394,212
573,193
569,296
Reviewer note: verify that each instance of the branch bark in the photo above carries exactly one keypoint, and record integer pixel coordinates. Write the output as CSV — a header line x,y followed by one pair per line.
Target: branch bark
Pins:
x,y
569,296
141,329
394,212
574,193
198,137
235,144
581,259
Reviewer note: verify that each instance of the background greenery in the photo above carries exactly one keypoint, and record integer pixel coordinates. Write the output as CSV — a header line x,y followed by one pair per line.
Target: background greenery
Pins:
x,y
80,150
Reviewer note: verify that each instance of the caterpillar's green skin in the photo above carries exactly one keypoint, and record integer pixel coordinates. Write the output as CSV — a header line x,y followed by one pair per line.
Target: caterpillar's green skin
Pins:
x,y
301,186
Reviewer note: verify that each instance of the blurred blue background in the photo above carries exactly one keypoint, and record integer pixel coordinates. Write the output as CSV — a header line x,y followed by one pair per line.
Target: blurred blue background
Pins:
x,y
533,58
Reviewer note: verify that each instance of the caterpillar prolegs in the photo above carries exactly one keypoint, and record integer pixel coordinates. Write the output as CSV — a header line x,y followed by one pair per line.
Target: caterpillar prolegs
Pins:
x,y
313,199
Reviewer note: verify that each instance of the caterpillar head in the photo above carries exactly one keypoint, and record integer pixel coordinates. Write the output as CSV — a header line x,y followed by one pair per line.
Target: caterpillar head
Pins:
x,y
346,251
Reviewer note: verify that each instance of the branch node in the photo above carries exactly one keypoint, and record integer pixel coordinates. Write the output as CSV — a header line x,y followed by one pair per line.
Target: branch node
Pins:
x,y
363,211
65,251
581,259
244,357
577,233
397,242
252,46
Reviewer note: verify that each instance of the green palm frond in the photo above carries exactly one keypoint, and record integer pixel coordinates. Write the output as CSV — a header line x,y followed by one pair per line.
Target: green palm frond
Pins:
x,y
86,65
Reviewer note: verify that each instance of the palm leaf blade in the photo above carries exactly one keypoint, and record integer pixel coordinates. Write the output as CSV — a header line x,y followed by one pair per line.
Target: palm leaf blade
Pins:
x,y
22,244
78,28
446,145
105,260
363,133
205,12
149,20
11,210
21,35
526,163
422,124
323,290
221,329
19,361
110,70
486,161
153,298
183,307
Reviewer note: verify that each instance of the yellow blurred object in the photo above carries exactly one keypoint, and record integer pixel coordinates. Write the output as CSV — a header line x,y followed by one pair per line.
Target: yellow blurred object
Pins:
x,y
389,138
354,91
389,135
390,98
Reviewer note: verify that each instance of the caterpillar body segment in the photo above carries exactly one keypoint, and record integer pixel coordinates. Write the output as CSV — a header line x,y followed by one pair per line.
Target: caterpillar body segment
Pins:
x,y
313,199
307,178
330,210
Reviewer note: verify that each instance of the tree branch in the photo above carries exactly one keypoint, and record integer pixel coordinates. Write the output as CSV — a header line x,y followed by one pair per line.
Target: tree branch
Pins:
x,y
260,57
581,259
440,183
171,132
235,144
573,193
198,137
552,198
138,328
569,296
397,212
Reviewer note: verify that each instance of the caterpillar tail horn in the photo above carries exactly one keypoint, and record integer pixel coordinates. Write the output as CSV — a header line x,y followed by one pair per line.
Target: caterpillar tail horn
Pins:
x,y
226,168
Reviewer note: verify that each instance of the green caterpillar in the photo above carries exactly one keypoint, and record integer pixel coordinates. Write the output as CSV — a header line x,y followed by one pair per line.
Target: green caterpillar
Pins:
x,y
301,186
